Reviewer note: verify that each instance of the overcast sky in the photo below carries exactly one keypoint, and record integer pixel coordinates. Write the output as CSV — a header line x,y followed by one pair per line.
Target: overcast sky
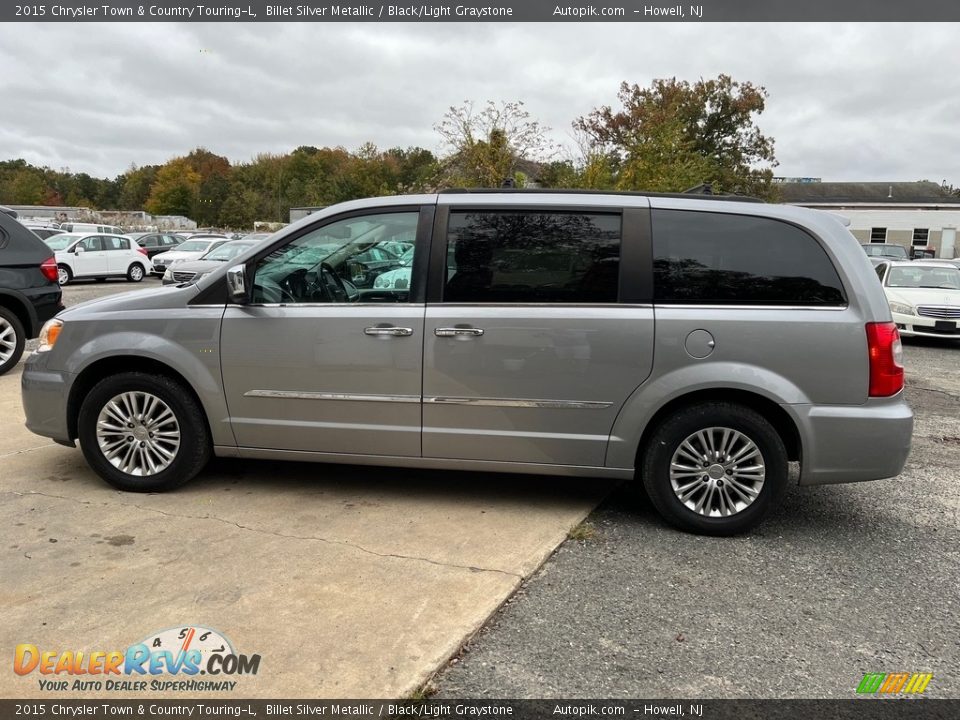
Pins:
x,y
847,102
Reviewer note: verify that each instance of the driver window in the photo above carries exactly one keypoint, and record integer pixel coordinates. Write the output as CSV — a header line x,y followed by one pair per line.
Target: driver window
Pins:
x,y
360,259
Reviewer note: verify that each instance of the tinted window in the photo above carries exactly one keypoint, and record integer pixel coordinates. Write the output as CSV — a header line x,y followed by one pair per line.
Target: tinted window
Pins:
x,y
713,258
532,257
148,241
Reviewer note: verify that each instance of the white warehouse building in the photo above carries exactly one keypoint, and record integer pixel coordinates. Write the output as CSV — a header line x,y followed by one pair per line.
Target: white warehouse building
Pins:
x,y
920,215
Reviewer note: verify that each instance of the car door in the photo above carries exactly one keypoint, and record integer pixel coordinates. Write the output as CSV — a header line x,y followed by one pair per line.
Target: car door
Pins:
x,y
91,260
315,364
150,243
538,327
117,251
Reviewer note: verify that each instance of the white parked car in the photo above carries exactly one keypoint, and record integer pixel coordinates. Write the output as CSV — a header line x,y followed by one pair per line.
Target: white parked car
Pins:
x,y
192,249
924,297
83,255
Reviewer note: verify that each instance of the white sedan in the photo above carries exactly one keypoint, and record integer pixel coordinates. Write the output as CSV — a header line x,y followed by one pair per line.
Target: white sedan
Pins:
x,y
924,297
192,249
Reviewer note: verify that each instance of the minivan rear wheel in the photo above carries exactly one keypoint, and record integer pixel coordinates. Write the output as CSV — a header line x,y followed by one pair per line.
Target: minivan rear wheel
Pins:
x,y
143,433
715,469
12,338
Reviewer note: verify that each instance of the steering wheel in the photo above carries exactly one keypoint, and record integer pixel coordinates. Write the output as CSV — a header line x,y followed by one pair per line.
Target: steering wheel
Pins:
x,y
336,290
294,285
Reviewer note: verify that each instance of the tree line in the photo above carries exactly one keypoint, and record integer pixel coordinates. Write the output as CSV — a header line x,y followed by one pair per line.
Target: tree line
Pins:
x,y
666,137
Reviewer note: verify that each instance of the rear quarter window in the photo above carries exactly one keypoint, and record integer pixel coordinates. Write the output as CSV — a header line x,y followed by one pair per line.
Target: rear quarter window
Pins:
x,y
719,259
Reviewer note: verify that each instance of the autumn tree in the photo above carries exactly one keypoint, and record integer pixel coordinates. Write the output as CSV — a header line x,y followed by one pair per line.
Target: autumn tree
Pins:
x,y
174,189
491,144
675,134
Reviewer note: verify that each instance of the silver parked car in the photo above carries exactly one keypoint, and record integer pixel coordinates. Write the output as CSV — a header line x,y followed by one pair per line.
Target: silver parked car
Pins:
x,y
692,346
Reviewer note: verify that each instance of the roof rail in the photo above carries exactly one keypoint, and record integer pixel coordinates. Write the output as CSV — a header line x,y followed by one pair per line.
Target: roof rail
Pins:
x,y
629,193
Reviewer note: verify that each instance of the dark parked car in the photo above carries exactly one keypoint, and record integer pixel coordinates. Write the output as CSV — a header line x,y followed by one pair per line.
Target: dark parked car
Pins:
x,y
29,292
44,232
155,243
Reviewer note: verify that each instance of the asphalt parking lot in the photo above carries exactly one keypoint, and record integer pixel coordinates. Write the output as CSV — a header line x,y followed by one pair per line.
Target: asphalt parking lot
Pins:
x,y
363,582
840,581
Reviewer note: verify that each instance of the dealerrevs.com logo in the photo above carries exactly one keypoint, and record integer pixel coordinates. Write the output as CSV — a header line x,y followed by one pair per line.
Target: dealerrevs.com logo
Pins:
x,y
170,660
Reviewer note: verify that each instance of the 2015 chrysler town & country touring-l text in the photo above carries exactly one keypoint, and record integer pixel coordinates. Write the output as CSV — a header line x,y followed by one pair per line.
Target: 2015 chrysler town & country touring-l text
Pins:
x,y
694,346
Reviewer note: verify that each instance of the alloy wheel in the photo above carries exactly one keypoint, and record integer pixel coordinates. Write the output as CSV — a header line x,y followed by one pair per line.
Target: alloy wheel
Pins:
x,y
138,433
717,472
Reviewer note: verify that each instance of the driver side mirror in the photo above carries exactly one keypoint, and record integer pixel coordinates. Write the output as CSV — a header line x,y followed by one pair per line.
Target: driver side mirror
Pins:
x,y
78,249
237,286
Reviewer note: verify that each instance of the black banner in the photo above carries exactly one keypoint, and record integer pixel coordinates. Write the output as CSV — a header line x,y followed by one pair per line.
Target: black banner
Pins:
x,y
485,11
856,709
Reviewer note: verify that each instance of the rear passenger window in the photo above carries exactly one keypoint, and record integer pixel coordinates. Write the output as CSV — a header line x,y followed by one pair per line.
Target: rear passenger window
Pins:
x,y
532,257
712,258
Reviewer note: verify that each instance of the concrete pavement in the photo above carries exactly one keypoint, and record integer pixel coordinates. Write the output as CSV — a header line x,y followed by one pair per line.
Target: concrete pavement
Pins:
x,y
349,582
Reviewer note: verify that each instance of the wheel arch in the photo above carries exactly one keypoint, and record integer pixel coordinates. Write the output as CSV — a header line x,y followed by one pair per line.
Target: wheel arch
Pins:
x,y
113,365
781,420
22,309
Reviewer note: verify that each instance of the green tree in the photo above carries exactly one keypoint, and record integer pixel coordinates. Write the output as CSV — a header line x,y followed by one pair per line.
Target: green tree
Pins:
x,y
174,190
674,133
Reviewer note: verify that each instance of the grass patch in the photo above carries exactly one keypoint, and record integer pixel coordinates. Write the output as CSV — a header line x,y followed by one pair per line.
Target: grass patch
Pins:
x,y
582,532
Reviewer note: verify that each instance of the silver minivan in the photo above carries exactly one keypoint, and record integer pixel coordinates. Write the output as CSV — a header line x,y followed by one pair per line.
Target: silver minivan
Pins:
x,y
692,346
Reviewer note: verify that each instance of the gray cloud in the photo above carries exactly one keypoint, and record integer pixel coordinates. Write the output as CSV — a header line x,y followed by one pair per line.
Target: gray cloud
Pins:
x,y
847,102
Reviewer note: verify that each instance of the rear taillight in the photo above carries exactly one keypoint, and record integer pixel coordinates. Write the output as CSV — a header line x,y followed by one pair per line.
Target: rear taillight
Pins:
x,y
142,251
886,359
49,269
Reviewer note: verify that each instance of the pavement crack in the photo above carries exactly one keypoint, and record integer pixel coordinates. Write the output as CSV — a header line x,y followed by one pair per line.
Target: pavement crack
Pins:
x,y
328,541
936,390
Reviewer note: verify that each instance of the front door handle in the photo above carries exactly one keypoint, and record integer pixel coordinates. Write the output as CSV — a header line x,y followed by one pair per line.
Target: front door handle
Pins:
x,y
392,331
458,332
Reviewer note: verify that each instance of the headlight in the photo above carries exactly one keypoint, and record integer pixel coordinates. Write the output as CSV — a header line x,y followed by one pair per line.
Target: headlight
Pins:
x,y
49,334
902,308
168,275
381,282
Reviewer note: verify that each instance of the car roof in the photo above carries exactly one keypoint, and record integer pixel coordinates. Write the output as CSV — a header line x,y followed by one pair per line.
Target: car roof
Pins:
x,y
927,263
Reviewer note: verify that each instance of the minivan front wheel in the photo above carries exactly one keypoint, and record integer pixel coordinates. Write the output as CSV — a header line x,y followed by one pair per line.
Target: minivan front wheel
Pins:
x,y
715,469
143,433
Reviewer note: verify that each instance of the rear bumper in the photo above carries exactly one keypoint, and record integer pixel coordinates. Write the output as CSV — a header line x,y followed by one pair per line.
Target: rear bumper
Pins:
x,y
45,394
852,443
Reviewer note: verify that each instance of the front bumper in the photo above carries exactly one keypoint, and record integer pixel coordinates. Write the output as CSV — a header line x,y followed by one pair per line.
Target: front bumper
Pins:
x,y
45,394
852,443
921,326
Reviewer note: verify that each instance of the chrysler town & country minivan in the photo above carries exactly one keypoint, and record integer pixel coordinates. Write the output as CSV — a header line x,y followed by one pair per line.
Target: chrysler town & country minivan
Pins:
x,y
693,346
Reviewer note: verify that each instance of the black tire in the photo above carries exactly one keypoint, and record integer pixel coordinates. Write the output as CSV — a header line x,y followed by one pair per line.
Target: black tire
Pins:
x,y
666,441
135,272
64,269
10,323
192,455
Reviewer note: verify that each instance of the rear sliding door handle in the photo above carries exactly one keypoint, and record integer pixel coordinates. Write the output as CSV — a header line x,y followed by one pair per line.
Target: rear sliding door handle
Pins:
x,y
458,332
392,331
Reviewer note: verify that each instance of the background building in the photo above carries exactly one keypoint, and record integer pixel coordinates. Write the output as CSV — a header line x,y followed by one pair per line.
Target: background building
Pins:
x,y
912,214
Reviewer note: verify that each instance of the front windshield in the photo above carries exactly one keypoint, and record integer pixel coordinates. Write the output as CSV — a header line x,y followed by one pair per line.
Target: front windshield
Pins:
x,y
194,246
918,276
227,251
